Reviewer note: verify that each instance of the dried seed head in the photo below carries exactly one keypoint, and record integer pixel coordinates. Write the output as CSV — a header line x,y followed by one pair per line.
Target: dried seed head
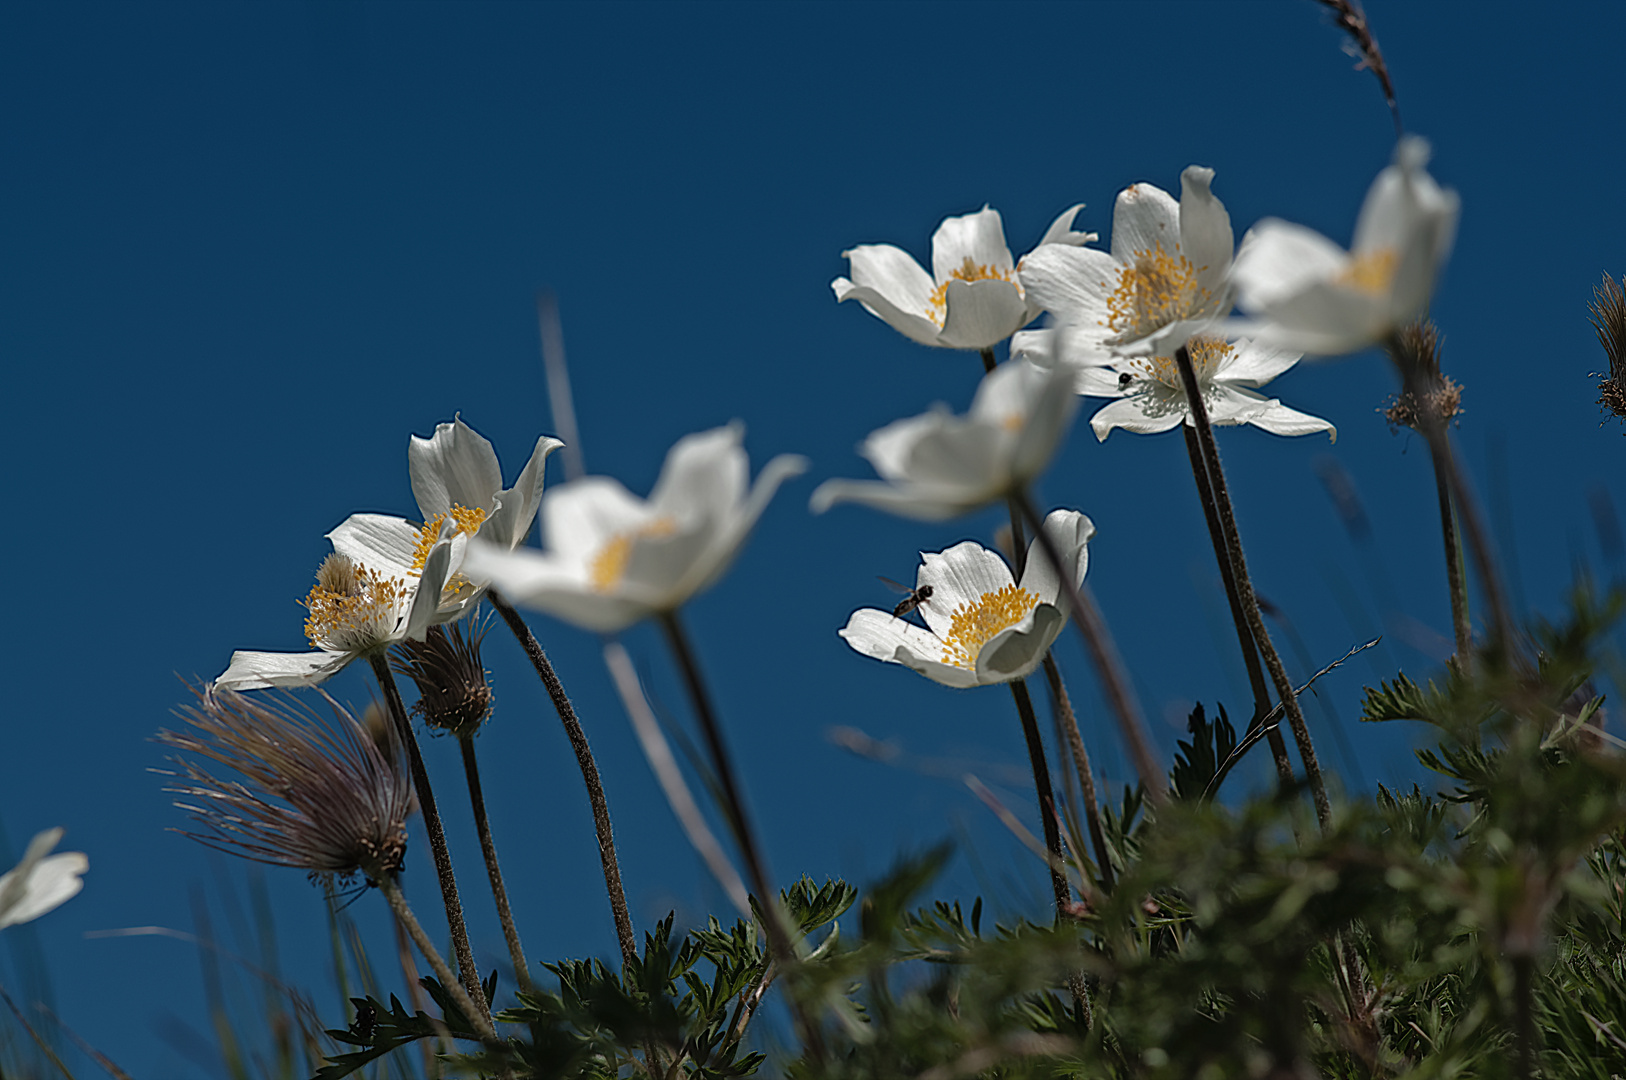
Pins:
x,y
453,694
1609,319
316,794
1416,349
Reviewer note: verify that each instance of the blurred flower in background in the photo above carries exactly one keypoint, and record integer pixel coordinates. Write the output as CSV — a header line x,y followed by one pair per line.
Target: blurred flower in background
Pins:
x,y
41,881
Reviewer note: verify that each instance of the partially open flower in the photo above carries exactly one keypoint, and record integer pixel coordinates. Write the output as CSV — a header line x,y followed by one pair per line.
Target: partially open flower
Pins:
x,y
1609,319
322,796
41,881
453,694
982,627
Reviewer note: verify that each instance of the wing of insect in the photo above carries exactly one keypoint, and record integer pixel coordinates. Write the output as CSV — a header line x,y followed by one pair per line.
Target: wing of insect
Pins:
x,y
915,598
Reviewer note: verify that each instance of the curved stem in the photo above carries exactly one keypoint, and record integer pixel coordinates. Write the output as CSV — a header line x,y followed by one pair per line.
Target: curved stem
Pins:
x,y
1046,794
437,835
392,892
1081,763
488,848
1108,665
589,770
1244,637
1244,587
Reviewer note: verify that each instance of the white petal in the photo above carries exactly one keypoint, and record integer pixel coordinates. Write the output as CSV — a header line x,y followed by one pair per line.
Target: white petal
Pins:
x,y
1145,413
455,466
979,237
513,518
880,635
980,314
1143,218
262,670
725,542
1254,364
1101,382
961,575
1273,416
911,323
888,448
1050,416
704,475
1071,283
1205,233
425,609
1017,651
1325,319
891,272
1034,346
920,502
1279,259
1071,532
1061,230
971,455
580,516
383,543
546,582
41,885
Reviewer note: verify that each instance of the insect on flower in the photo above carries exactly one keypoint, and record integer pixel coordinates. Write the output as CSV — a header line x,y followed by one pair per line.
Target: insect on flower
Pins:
x,y
915,598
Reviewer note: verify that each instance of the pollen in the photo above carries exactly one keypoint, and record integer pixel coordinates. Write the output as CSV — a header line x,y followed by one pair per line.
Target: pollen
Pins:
x,y
463,520
352,608
975,624
609,564
1158,288
1370,271
1207,354
937,309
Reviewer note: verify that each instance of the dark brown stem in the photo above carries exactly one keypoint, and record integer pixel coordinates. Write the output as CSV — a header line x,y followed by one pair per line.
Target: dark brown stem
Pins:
x,y
1455,579
779,941
1250,653
488,848
1108,665
437,837
589,771
1244,588
1081,763
1046,794
988,361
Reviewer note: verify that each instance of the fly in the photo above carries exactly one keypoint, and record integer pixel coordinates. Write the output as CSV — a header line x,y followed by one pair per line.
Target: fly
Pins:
x,y
915,598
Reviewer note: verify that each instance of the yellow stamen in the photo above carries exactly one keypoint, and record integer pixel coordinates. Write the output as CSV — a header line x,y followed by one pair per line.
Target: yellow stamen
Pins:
x,y
1370,271
1158,288
1206,356
975,624
607,567
937,309
354,611
465,520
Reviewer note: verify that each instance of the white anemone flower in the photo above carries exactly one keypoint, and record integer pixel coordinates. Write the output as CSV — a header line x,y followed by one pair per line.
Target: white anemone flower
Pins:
x,y
1152,397
1165,279
41,882
612,558
972,299
982,627
939,465
1313,296
390,580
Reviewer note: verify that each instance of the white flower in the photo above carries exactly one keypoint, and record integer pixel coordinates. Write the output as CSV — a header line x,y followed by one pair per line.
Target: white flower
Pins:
x,y
1152,397
939,465
40,883
1165,278
976,299
982,627
1315,297
390,580
613,558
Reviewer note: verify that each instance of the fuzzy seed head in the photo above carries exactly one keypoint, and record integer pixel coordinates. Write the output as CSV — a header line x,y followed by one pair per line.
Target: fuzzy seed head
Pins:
x,y
1609,319
453,692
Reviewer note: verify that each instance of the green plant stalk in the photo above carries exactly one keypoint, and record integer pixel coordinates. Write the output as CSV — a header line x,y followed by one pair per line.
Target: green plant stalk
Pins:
x,y
1250,653
488,848
41,1043
1081,763
1244,588
432,826
478,1016
1456,577
608,861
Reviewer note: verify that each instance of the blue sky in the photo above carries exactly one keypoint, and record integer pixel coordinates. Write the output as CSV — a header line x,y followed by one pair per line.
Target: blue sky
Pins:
x,y
249,249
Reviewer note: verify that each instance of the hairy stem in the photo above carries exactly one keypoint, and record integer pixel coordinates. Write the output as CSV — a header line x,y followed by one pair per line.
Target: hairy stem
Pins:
x,y
488,848
1244,588
437,835
478,1016
1455,579
1108,665
589,770
1081,763
1244,637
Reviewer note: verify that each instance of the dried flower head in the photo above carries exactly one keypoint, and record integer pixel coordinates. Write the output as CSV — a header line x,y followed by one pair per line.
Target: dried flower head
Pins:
x,y
1609,319
453,694
319,795
1416,348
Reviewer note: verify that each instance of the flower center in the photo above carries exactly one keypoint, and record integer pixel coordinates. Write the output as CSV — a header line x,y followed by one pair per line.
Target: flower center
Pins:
x,y
609,564
975,624
464,520
1156,289
1370,271
937,309
1207,354
352,608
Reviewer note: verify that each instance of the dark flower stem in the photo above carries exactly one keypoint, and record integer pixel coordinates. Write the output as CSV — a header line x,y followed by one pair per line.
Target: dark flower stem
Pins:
x,y
779,941
1250,653
1081,763
1108,664
1244,588
488,848
478,1015
437,835
1046,794
589,770
1455,578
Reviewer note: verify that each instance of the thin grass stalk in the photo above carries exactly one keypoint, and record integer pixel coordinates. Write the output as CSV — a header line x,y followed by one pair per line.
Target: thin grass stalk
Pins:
x,y
1244,588
478,1016
41,1043
488,848
1081,763
602,828
437,834
779,940
1244,637
418,1000
1108,664
1455,578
